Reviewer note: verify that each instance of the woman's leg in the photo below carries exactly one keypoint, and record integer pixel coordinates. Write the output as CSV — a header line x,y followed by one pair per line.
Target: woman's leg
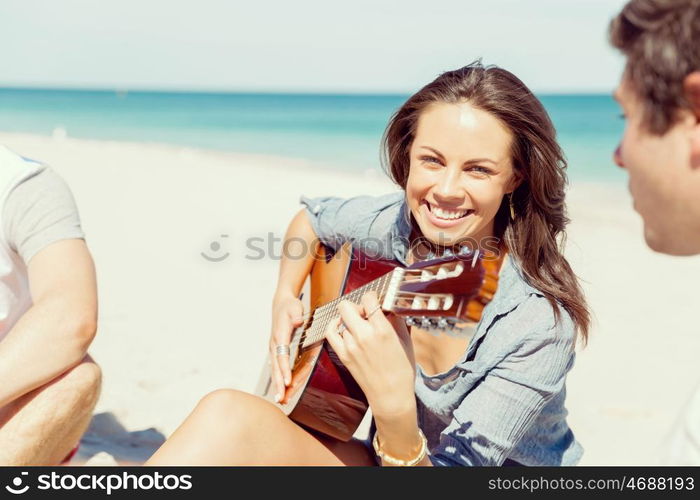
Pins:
x,y
230,427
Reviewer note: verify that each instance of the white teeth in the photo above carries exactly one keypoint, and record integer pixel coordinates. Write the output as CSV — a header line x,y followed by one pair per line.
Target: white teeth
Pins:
x,y
447,214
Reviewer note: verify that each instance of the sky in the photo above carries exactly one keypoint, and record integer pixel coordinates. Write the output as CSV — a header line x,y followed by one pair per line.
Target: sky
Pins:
x,y
358,46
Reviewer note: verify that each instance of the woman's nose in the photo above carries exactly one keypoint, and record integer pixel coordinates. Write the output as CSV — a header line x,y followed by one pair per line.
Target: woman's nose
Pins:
x,y
448,186
617,156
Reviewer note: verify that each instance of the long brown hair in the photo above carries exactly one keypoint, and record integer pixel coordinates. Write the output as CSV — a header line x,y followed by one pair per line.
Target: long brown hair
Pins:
x,y
536,236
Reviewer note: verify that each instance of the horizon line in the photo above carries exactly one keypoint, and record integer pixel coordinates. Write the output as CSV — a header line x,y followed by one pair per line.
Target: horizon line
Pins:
x,y
290,92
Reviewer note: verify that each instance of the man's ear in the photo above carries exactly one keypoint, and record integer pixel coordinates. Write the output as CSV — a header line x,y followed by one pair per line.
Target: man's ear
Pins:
x,y
691,91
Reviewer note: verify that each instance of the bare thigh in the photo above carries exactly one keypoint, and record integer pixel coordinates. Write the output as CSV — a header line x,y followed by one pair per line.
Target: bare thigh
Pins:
x,y
230,427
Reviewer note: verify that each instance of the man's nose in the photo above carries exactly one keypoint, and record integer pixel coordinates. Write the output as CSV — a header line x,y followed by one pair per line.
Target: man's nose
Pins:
x,y
617,156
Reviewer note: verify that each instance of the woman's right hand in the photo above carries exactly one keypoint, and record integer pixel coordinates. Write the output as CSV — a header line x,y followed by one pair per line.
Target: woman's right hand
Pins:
x,y
287,314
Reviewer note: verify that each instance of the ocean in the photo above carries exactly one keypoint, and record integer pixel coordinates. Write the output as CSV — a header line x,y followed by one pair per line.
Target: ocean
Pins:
x,y
336,131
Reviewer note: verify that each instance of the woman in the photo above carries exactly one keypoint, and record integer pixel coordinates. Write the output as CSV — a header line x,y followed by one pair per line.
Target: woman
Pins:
x,y
476,157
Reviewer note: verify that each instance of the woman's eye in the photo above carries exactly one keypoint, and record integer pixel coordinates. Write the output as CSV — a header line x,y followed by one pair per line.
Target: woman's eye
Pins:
x,y
479,169
431,159
622,116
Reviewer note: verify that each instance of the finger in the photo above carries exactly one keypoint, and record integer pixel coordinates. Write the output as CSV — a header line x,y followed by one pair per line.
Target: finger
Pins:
x,y
373,310
285,368
351,314
283,336
335,339
277,377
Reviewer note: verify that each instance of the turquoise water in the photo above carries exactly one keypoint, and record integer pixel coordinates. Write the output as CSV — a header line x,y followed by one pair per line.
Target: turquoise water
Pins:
x,y
341,131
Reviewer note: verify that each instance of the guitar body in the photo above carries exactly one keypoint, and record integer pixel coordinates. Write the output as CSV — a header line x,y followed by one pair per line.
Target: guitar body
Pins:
x,y
323,396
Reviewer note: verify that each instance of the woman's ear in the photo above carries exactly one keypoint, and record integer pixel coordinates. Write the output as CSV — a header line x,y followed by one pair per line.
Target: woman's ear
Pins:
x,y
691,91
514,182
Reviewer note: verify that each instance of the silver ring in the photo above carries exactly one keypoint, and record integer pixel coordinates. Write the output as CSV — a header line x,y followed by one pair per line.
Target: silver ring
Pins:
x,y
341,329
282,350
379,306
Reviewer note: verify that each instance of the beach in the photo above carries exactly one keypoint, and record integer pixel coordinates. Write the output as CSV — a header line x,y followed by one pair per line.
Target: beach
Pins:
x,y
179,317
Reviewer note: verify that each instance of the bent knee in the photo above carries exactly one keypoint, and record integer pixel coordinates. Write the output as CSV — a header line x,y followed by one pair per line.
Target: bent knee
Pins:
x,y
224,401
231,406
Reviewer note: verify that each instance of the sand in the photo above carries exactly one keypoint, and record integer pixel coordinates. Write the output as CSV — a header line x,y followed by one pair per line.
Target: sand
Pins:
x,y
174,325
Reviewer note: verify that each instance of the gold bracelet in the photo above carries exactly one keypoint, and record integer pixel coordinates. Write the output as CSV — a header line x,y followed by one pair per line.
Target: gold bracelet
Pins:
x,y
402,463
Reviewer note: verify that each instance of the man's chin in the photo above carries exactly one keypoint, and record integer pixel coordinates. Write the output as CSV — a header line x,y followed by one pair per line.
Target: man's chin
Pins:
x,y
670,245
654,240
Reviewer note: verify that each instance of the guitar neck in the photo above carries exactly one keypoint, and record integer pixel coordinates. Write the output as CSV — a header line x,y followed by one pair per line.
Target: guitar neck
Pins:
x,y
328,312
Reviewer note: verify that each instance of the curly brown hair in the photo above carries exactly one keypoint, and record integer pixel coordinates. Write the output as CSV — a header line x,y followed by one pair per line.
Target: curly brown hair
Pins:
x,y
660,39
536,236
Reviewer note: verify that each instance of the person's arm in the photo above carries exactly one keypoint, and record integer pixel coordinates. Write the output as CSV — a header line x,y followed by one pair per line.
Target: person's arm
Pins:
x,y
332,221
54,334
400,438
301,242
328,220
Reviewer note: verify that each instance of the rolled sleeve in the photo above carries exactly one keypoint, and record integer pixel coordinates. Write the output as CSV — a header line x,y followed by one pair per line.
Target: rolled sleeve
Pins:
x,y
493,417
329,219
365,221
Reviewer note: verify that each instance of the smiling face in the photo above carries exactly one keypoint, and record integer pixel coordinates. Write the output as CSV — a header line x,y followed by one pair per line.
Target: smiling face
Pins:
x,y
663,181
460,170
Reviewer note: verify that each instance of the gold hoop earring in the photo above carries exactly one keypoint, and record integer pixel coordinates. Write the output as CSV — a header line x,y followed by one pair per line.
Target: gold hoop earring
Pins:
x,y
512,209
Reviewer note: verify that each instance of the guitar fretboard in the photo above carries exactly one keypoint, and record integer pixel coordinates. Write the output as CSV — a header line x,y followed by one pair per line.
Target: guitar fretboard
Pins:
x,y
327,313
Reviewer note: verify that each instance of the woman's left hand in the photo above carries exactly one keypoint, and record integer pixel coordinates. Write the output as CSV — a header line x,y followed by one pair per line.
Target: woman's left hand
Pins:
x,y
378,352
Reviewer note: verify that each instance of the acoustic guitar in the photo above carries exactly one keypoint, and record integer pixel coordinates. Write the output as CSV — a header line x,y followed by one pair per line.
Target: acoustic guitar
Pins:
x,y
445,293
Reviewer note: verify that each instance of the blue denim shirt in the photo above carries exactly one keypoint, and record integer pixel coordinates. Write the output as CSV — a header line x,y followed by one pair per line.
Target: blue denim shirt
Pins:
x,y
504,398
